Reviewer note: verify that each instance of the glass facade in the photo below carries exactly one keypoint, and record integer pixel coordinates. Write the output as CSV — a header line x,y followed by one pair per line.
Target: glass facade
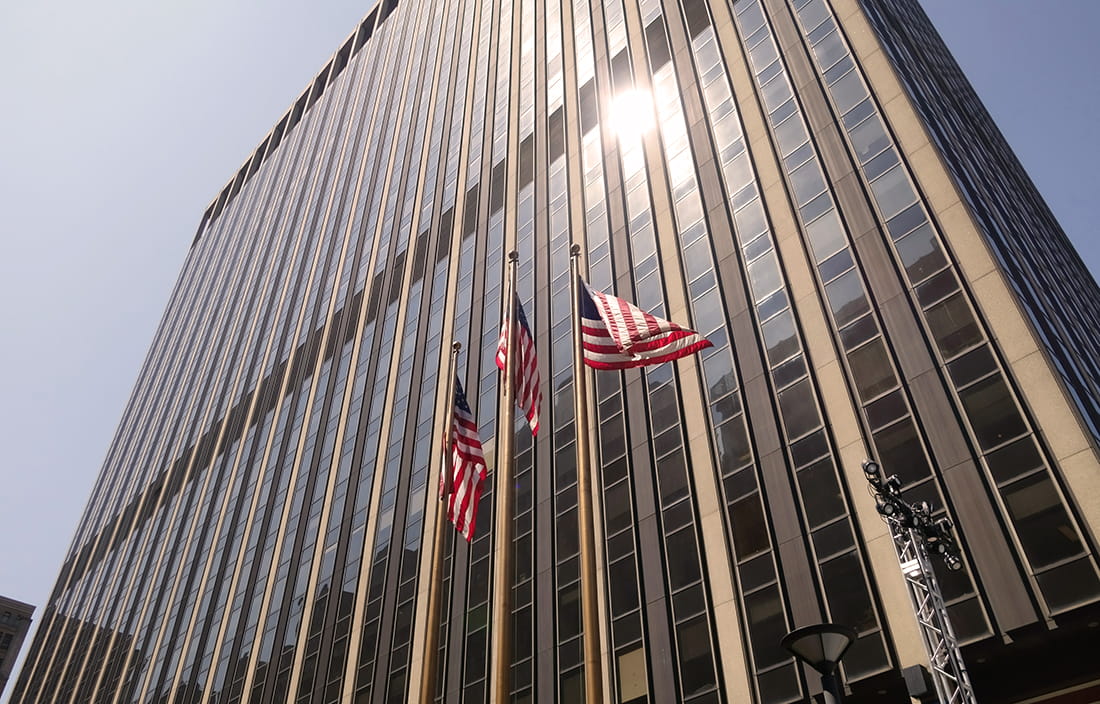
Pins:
x,y
259,530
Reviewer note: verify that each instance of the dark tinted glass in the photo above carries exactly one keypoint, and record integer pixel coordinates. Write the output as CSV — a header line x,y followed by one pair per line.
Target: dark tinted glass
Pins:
x,y
623,583
1041,520
767,625
696,664
820,492
682,555
953,326
899,452
871,369
846,592
921,254
798,408
1070,584
750,533
733,445
992,413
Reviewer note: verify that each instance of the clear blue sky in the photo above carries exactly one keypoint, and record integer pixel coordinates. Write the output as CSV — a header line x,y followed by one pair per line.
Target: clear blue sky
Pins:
x,y
122,119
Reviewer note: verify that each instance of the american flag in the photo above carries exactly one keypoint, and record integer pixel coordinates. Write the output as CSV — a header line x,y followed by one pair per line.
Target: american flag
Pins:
x,y
525,384
468,469
619,335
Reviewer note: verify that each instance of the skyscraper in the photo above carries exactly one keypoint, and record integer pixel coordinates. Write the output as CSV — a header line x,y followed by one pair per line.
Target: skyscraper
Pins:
x,y
15,620
810,184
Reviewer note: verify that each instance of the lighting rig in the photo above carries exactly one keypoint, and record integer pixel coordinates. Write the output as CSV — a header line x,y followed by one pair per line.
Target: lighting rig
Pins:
x,y
917,536
934,533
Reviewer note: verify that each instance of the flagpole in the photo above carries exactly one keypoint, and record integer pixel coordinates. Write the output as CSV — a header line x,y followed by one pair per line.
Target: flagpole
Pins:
x,y
593,656
501,675
435,593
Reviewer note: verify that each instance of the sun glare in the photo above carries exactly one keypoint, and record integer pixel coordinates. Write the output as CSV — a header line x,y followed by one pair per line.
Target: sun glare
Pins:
x,y
632,114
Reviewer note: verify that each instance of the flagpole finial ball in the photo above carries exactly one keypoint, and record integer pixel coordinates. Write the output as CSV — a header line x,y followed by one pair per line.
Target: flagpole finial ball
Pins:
x,y
575,250
456,347
513,256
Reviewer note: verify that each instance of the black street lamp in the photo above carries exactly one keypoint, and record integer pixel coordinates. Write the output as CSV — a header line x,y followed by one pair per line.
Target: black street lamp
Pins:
x,y
821,647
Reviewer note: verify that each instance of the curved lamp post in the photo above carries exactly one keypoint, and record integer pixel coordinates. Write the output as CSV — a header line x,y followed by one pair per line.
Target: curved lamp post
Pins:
x,y
821,647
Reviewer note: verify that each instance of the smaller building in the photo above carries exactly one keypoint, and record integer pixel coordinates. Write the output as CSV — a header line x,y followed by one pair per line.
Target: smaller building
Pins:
x,y
15,621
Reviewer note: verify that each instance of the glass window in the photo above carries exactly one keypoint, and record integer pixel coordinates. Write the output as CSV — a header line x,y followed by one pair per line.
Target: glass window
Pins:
x,y
899,452
776,92
833,539
886,409
764,276
921,254
780,685
848,91
733,445
779,338
757,572
871,370
816,207
859,113
750,221
972,365
813,14
866,656
612,438
683,558
836,265
622,581
751,18
869,138
739,484
937,288
826,235
763,54
906,220
662,405
617,509
689,602
807,181
809,448
893,192
953,326
829,50
696,664
673,477
790,135
880,164
1041,521
1070,584
569,612
767,626
708,312
858,332
820,493
1014,460
750,530
718,371
798,409
771,306
846,298
846,592
992,412
788,372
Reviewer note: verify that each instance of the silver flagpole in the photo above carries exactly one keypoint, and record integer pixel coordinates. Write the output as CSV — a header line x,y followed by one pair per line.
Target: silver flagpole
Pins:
x,y
435,594
501,675
593,656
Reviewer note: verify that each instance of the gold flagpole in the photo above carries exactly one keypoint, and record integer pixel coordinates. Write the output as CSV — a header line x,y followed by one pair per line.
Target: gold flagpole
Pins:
x,y
435,593
501,674
593,656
